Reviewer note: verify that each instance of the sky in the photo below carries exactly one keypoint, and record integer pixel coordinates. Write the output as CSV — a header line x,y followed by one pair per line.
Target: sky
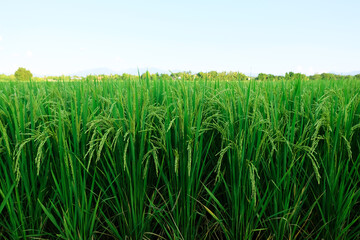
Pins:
x,y
52,37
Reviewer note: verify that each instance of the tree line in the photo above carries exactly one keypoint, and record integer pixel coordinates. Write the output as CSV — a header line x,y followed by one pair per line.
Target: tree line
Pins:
x,y
23,74
233,76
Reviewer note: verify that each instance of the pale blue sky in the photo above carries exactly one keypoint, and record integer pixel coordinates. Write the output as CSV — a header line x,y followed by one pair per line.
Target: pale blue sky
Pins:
x,y
62,37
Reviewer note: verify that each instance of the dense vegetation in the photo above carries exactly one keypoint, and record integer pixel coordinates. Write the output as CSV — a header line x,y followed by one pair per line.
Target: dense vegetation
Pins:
x,y
164,159
188,76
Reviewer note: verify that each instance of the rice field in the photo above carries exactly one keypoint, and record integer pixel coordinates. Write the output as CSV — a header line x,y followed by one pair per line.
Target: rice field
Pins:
x,y
167,159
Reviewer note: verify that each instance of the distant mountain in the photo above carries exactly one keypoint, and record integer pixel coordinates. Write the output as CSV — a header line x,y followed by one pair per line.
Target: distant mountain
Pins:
x,y
95,71
353,73
347,73
134,71
108,71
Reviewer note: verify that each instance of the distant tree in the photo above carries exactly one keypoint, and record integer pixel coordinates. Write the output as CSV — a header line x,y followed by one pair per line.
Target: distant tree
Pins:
x,y
176,75
328,76
222,76
357,76
241,77
347,77
296,76
212,74
271,77
146,75
289,75
22,74
262,77
154,76
231,76
125,76
187,76
7,78
280,78
165,76
201,74
300,76
315,77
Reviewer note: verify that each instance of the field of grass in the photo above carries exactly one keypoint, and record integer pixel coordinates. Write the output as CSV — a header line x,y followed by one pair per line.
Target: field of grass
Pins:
x,y
180,160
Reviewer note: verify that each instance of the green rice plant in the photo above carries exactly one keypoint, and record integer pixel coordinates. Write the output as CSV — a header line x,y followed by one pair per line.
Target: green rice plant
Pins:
x,y
177,159
185,125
